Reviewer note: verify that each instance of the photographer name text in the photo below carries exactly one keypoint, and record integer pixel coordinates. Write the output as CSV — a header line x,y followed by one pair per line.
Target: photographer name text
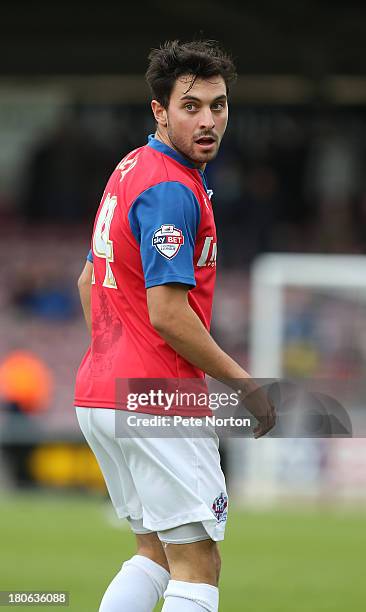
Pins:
x,y
173,421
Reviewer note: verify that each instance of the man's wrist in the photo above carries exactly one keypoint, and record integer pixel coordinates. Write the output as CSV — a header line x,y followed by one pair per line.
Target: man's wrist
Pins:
x,y
245,386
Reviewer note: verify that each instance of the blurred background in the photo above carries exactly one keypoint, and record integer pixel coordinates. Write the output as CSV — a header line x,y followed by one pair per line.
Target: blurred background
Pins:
x,y
289,180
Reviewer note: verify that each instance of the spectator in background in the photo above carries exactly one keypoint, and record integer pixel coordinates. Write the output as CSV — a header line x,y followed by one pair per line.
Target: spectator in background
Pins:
x,y
333,181
25,390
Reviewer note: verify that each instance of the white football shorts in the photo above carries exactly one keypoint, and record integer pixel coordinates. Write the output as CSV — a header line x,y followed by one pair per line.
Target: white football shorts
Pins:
x,y
158,483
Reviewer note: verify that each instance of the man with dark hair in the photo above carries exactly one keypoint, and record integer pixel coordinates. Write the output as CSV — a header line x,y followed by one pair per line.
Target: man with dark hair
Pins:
x,y
154,258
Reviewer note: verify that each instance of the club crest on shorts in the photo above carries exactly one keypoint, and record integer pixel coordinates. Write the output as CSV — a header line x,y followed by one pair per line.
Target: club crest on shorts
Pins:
x,y
167,240
219,507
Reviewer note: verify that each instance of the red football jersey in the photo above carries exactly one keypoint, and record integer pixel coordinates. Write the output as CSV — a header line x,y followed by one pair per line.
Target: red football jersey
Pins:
x,y
154,225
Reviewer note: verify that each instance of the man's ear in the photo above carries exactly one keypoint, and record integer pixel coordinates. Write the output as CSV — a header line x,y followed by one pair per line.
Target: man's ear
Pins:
x,y
160,113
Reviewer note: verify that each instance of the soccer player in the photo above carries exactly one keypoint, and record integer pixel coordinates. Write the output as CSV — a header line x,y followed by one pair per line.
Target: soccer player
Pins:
x,y
154,258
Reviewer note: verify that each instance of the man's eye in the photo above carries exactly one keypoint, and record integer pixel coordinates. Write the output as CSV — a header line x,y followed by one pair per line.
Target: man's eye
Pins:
x,y
218,106
189,107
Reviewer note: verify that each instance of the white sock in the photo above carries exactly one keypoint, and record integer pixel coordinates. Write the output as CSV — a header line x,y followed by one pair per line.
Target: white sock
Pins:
x,y
190,597
137,587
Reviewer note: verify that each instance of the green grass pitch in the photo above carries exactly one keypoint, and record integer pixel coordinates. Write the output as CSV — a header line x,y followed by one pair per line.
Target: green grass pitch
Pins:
x,y
286,561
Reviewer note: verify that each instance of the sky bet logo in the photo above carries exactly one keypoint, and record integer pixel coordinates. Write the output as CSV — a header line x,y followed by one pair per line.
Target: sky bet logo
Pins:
x,y
167,240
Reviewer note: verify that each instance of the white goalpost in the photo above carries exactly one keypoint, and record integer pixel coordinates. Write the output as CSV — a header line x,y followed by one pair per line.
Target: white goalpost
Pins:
x,y
271,274
307,319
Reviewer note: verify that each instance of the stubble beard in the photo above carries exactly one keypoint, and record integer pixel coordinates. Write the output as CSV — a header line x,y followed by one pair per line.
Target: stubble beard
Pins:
x,y
188,152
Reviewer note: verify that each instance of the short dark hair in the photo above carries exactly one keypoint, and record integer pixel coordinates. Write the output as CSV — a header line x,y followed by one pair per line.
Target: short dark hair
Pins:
x,y
200,58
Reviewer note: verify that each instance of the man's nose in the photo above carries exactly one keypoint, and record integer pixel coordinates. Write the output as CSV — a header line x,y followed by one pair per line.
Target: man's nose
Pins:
x,y
206,119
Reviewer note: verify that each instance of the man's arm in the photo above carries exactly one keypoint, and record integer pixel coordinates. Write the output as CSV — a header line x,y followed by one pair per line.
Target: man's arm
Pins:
x,y
177,323
84,286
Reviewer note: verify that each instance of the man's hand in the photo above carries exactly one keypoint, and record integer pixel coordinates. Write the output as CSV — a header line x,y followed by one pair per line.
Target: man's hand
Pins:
x,y
260,406
265,425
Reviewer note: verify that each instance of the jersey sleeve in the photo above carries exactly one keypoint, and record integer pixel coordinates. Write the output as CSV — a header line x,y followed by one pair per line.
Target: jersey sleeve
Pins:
x,y
164,220
90,256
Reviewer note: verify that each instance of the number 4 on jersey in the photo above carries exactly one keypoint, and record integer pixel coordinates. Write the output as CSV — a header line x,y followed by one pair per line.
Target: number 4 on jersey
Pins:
x,y
102,245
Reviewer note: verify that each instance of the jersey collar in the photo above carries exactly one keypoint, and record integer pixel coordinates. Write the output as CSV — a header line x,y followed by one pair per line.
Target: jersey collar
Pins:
x,y
163,148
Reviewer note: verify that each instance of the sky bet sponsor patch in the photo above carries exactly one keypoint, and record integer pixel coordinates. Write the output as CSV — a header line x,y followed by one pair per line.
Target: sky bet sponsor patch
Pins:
x,y
167,240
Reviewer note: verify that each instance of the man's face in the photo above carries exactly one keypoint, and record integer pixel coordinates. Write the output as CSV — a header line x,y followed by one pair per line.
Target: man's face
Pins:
x,y
197,119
